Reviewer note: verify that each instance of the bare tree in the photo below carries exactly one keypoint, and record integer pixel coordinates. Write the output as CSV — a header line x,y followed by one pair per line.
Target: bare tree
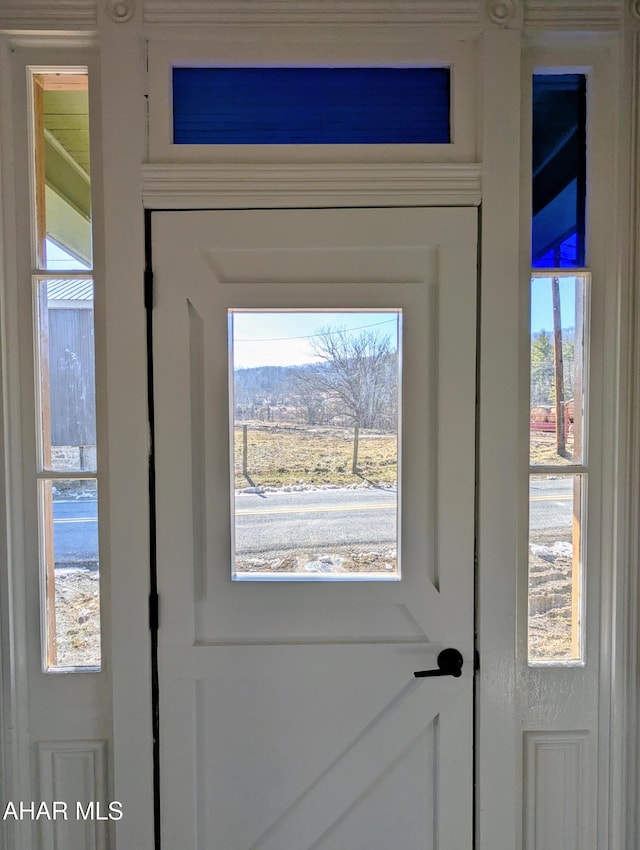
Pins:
x,y
358,376
308,398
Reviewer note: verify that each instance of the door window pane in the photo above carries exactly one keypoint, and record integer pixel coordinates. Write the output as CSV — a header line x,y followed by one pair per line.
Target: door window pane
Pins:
x,y
315,444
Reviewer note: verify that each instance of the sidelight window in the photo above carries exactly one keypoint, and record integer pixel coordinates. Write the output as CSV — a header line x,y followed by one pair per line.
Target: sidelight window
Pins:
x,y
558,467
559,336
63,299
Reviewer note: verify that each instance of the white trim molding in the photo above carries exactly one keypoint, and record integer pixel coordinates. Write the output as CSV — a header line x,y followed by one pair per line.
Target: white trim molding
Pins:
x,y
627,715
120,11
202,12
74,773
207,186
538,14
48,14
556,795
504,13
581,15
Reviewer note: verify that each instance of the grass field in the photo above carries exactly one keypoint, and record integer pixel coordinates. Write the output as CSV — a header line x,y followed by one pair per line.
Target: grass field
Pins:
x,y
542,449
279,456
284,455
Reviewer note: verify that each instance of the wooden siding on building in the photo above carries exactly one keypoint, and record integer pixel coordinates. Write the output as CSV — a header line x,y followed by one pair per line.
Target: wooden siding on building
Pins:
x,y
72,376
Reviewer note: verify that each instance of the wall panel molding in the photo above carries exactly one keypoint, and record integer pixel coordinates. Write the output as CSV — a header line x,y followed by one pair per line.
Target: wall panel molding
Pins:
x,y
555,790
72,772
173,186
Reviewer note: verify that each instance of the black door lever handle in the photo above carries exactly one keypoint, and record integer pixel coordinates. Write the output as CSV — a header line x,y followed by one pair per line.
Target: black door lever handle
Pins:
x,y
449,664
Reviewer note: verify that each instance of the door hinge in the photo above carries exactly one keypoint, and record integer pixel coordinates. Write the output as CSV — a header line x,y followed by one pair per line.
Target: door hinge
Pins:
x,y
154,612
148,289
476,661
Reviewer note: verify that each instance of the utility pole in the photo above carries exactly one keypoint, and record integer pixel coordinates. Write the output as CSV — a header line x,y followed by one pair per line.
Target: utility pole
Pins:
x,y
558,364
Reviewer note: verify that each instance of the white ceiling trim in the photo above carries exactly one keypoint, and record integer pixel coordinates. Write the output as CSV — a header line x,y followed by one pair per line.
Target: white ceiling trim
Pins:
x,y
206,186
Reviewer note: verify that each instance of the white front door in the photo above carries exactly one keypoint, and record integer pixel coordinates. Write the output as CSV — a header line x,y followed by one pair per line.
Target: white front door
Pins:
x,y
290,717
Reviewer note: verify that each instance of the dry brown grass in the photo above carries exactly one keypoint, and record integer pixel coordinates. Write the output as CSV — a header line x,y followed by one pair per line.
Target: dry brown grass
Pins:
x,y
278,456
542,449
550,601
78,618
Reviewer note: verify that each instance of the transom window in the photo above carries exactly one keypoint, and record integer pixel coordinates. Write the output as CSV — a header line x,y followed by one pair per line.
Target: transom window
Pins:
x,y
306,105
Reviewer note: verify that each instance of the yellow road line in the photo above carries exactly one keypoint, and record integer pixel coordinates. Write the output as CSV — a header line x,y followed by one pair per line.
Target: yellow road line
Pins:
x,y
559,498
77,519
319,510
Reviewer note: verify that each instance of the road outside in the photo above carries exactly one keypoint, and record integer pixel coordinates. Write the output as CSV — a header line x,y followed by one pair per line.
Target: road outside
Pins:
x,y
551,632
274,523
323,533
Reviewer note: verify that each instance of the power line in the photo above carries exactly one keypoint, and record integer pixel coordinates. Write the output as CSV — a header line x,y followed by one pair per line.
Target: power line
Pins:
x,y
314,336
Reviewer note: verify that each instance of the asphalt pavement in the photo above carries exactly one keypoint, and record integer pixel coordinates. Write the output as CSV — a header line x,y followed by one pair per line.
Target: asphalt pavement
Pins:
x,y
269,522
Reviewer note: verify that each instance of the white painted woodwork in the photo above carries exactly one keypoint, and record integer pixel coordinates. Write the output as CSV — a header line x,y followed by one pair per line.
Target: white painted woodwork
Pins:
x,y
324,46
45,707
556,698
216,12
588,14
556,791
625,811
499,775
289,714
72,772
225,186
123,149
461,14
48,14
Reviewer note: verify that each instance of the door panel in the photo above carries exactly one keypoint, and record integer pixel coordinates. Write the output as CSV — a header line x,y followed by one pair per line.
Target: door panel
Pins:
x,y
290,717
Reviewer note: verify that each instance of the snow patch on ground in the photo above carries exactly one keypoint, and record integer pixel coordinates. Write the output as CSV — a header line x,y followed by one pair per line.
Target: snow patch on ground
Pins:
x,y
347,561
561,549
306,488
